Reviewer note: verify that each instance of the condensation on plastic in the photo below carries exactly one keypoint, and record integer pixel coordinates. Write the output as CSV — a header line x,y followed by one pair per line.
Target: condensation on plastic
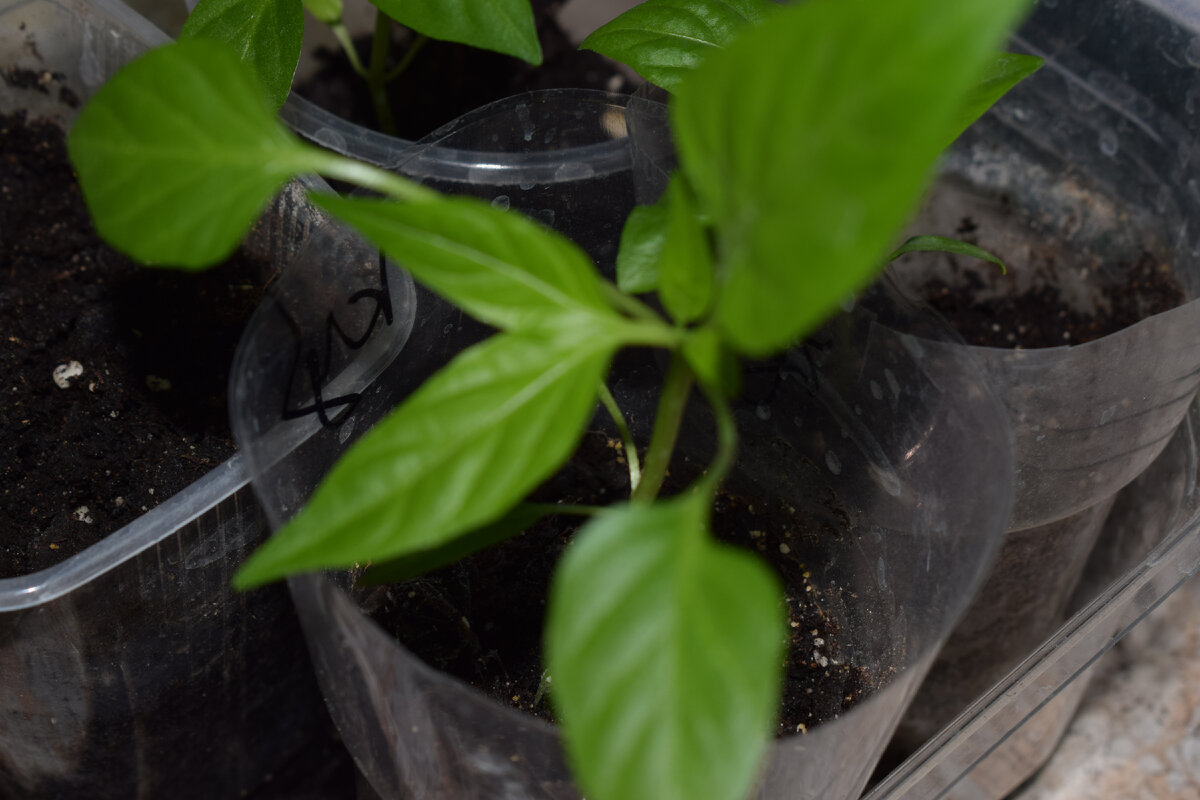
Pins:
x,y
131,669
897,427
1097,153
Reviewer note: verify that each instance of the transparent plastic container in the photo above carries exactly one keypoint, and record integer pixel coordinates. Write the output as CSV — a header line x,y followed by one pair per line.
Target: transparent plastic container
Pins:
x,y
131,669
1096,154
894,428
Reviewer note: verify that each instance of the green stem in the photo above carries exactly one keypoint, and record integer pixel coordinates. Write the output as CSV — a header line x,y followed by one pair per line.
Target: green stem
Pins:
x,y
332,165
676,388
726,438
343,36
628,303
567,508
409,54
377,72
631,453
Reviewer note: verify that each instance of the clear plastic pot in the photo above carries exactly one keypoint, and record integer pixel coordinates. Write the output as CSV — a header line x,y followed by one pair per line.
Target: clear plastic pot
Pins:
x,y
1085,170
894,428
132,669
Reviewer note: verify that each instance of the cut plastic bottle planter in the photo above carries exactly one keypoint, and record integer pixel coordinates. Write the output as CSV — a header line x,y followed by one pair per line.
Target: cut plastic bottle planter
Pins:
x,y
132,669
895,430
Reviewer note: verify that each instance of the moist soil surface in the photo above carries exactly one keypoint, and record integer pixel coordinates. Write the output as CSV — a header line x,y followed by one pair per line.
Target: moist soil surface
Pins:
x,y
1040,316
462,78
481,619
138,411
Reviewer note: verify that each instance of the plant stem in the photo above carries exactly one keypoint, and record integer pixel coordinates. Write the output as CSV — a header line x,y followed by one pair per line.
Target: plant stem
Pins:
x,y
631,453
726,437
568,508
332,165
343,36
409,54
377,72
628,303
676,388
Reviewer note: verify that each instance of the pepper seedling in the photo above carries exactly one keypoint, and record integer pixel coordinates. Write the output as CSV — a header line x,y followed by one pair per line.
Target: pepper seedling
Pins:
x,y
804,146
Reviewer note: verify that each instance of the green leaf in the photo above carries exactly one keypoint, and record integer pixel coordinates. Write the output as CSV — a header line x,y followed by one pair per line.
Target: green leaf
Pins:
x,y
666,650
266,34
663,40
178,154
940,244
501,267
809,141
712,363
326,11
685,265
1005,71
505,26
641,245
462,450
410,565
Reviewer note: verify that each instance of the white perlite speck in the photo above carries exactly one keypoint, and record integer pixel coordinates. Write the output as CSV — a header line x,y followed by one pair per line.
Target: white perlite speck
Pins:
x,y
83,515
64,373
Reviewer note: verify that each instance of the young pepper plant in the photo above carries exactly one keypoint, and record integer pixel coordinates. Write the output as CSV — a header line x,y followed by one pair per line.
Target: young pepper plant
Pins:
x,y
804,145
267,34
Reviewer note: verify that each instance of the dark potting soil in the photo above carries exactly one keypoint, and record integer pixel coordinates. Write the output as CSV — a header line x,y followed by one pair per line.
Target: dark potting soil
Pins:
x,y
1040,316
464,78
481,619
142,356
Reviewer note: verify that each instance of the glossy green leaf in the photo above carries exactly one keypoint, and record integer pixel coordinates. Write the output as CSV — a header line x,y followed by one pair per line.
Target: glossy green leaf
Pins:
x,y
326,11
685,264
810,140
178,154
501,267
1004,72
641,245
410,565
663,40
940,244
266,34
462,450
666,650
505,26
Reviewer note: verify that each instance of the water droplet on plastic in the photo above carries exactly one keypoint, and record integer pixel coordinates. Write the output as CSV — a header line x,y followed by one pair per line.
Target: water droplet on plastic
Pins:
x,y
501,202
1081,96
345,431
833,462
1108,414
876,391
574,171
763,413
526,123
892,383
527,185
1192,54
1109,144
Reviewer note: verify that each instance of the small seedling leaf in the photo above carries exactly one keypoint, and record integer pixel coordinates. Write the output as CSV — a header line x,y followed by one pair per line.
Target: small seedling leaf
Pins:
x,y
266,34
663,40
411,565
461,451
940,244
641,245
685,264
666,650
501,267
810,140
505,26
1004,72
179,153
